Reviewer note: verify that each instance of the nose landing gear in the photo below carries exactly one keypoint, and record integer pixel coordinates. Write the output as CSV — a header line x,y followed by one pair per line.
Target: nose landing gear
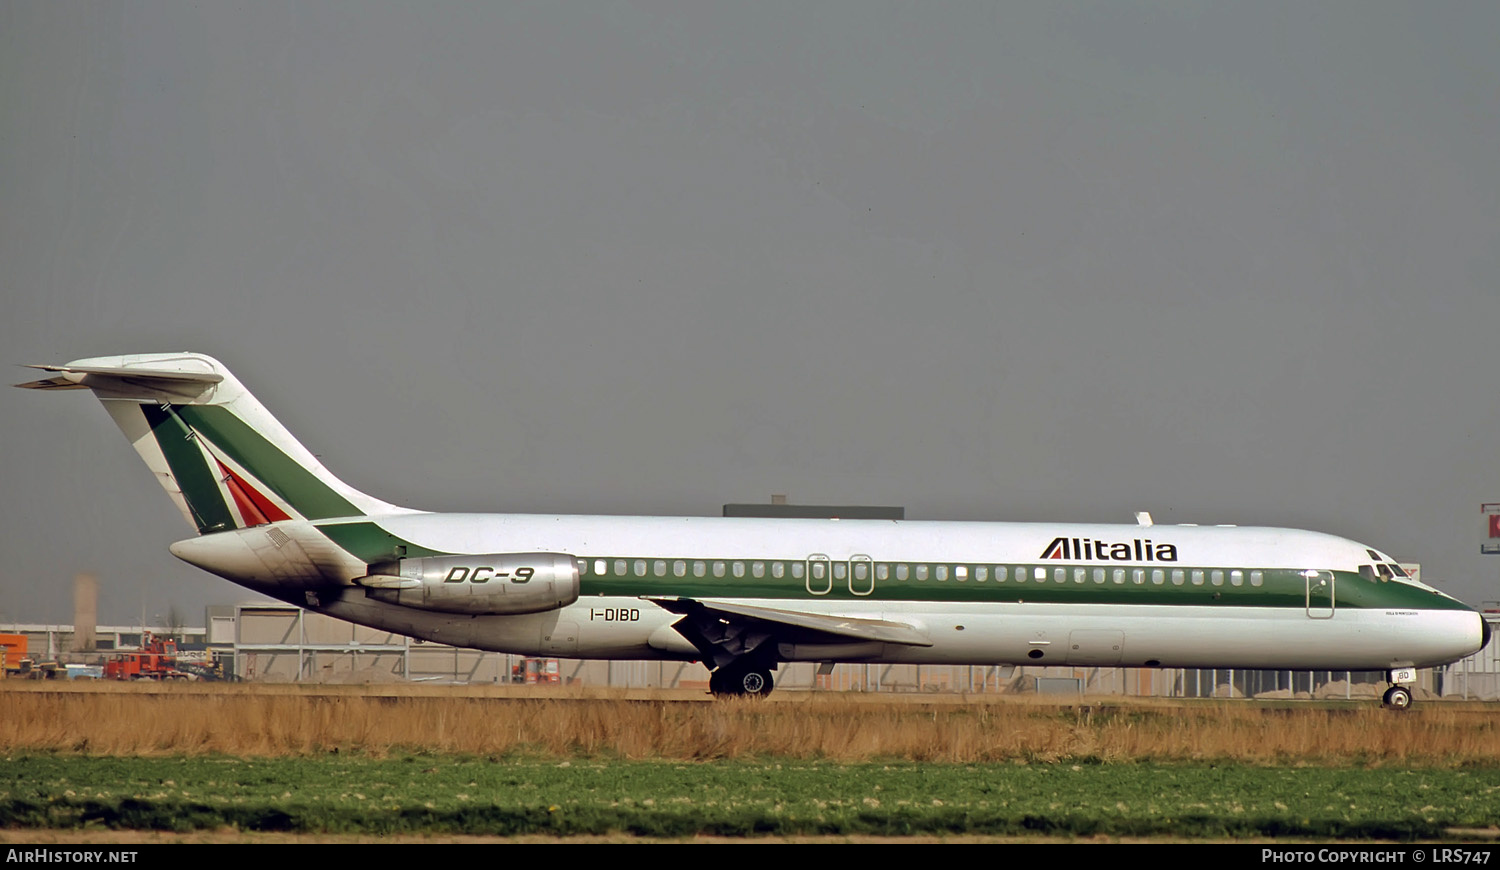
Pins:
x,y
1398,696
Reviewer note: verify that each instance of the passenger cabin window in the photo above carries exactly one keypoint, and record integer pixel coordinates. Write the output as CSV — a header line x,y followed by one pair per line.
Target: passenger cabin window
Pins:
x,y
640,567
1098,575
620,567
1001,573
1059,575
1197,577
738,568
921,572
600,567
758,569
778,569
942,572
797,570
1039,574
961,573
660,568
902,571
1079,574
679,568
1138,576
1158,576
1236,578
1119,575
1178,576
1257,578
718,569
1216,578
882,571
982,573
700,569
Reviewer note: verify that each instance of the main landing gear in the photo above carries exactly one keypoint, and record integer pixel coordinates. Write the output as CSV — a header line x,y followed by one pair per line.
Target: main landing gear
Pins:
x,y
741,679
1398,696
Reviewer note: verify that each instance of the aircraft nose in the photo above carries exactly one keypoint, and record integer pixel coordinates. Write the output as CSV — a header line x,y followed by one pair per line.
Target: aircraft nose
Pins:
x,y
1484,632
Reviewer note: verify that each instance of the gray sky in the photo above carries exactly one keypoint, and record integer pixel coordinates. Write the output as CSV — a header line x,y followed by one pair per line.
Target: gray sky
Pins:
x,y
1230,263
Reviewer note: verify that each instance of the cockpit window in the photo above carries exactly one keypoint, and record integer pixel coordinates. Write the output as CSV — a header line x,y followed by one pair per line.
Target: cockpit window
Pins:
x,y
1367,572
1385,571
1400,572
1374,555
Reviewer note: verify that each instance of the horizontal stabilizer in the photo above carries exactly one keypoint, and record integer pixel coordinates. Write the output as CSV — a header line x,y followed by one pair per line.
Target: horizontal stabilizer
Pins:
x,y
60,383
168,375
130,372
857,628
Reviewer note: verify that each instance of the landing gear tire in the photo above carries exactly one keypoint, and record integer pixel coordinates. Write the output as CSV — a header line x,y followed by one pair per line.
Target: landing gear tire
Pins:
x,y
1397,698
756,681
740,681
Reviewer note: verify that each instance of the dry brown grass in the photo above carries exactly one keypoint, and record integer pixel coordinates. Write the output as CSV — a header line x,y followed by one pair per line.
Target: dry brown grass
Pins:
x,y
292,721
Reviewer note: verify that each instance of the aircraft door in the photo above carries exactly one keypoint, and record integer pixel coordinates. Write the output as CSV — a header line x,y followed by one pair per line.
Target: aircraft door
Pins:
x,y
819,575
861,575
1320,597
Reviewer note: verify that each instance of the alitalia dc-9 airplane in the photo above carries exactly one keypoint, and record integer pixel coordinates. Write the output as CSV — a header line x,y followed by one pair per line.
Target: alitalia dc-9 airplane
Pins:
x,y
743,595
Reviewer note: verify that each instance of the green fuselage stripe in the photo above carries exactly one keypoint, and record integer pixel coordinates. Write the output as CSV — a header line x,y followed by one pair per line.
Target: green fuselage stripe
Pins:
x,y
199,483
308,496
1280,587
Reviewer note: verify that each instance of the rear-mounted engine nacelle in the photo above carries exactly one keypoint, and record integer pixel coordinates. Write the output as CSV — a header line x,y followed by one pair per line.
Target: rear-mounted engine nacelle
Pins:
x,y
495,583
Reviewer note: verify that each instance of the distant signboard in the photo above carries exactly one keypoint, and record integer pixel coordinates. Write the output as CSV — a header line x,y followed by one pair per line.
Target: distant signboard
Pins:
x,y
1490,546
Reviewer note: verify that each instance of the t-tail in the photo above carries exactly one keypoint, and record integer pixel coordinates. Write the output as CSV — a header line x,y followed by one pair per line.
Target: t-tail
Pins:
x,y
220,455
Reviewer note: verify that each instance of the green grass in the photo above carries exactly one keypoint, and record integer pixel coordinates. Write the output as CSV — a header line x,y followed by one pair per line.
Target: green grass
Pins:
x,y
438,794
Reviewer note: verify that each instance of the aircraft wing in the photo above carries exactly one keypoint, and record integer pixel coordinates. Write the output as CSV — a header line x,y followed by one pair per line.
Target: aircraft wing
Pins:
x,y
724,631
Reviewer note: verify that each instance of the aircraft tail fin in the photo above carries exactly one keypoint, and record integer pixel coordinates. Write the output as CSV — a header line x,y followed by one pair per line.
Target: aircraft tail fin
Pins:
x,y
214,448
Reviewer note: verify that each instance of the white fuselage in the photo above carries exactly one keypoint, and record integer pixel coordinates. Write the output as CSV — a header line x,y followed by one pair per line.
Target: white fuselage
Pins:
x,y
1045,611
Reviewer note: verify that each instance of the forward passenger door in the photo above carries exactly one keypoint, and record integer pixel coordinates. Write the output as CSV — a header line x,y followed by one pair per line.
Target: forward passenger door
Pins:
x,y
1320,594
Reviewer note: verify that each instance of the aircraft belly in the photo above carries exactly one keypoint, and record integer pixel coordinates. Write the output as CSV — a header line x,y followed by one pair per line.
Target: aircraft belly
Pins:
x,y
1081,635
1173,636
1276,638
